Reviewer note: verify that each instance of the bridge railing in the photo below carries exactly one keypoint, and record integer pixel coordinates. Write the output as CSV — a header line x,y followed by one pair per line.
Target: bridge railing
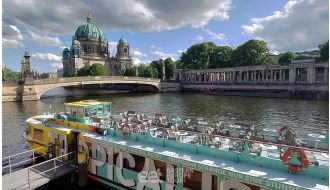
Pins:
x,y
53,166
89,78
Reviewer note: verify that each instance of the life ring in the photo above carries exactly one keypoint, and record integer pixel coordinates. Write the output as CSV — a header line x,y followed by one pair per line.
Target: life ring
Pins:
x,y
302,155
125,130
292,130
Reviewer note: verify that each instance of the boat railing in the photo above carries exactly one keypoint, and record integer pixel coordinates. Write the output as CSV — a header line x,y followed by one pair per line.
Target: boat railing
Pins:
x,y
9,162
233,143
49,165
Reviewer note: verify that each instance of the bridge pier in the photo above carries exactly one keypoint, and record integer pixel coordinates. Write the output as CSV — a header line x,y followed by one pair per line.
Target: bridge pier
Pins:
x,y
29,94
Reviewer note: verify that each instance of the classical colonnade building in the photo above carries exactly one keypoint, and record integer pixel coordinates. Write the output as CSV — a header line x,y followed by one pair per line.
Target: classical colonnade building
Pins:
x,y
299,71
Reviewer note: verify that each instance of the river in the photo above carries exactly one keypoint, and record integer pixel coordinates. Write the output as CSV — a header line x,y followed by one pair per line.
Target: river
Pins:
x,y
268,112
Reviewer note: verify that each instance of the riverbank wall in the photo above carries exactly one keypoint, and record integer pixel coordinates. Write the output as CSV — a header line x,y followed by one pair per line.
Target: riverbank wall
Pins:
x,y
297,91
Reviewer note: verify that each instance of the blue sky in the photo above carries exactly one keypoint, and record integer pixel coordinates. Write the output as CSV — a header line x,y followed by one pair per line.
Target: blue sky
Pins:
x,y
157,29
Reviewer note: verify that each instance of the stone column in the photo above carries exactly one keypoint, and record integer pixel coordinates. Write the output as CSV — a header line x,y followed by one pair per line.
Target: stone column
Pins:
x,y
311,74
240,76
271,75
326,74
281,79
247,76
292,75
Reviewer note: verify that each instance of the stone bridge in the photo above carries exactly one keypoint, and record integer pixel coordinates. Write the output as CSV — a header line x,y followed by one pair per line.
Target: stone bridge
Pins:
x,y
34,89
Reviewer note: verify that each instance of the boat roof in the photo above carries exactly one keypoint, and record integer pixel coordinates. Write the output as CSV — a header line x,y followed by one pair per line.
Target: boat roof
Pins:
x,y
86,103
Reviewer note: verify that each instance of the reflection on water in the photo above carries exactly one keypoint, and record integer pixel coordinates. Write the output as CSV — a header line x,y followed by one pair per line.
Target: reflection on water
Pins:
x,y
263,111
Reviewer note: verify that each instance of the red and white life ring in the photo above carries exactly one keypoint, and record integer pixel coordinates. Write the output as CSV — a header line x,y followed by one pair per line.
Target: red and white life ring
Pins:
x,y
125,129
302,155
292,130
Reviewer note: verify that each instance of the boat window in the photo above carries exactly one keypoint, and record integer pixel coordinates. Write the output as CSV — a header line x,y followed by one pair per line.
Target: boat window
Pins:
x,y
107,109
100,110
90,111
139,163
74,111
38,135
81,112
161,167
68,110
192,179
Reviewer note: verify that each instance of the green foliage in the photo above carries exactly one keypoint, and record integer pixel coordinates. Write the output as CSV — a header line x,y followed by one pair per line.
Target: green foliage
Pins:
x,y
324,51
130,72
252,52
94,70
170,65
9,75
84,71
97,70
287,57
221,57
198,55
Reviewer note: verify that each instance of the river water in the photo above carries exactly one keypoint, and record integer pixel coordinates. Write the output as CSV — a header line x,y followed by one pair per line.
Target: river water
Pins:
x,y
268,112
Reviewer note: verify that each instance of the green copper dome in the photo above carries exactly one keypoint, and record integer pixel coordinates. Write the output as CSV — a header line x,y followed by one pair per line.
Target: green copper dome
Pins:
x,y
76,43
89,30
123,41
66,50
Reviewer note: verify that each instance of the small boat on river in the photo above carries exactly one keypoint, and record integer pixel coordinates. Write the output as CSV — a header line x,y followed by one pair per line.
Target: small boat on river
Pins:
x,y
137,150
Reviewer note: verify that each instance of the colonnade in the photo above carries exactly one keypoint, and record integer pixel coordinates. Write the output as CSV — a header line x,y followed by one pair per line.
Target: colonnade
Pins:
x,y
294,73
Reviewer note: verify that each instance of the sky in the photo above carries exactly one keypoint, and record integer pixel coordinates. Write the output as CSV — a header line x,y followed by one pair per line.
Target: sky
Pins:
x,y
157,29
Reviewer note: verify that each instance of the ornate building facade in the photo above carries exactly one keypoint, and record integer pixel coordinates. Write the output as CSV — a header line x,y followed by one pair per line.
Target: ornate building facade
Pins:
x,y
89,46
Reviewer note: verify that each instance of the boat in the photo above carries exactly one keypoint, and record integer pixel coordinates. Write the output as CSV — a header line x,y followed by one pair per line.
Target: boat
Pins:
x,y
136,150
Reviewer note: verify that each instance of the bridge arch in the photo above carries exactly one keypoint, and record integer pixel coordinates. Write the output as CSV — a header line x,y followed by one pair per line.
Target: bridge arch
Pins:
x,y
41,86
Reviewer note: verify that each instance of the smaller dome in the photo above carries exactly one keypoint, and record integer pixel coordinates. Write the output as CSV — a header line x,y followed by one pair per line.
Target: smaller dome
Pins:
x,y
76,43
123,41
26,53
66,50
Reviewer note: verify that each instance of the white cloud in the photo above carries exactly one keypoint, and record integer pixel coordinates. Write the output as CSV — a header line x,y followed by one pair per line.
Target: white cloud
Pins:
x,y
43,40
113,48
11,43
181,51
138,53
155,47
301,25
11,36
214,35
51,17
137,61
199,38
163,55
56,65
46,57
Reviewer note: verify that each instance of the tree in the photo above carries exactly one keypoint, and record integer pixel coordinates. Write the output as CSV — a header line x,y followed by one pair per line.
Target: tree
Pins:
x,y
198,55
94,70
252,52
221,57
85,71
148,72
9,75
169,68
287,57
324,51
157,64
141,69
97,70
130,71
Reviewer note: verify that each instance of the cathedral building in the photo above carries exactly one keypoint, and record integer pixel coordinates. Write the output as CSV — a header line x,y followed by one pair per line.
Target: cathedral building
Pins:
x,y
89,46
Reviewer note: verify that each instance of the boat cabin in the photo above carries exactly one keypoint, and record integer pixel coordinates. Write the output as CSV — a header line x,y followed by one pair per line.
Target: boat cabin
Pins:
x,y
82,111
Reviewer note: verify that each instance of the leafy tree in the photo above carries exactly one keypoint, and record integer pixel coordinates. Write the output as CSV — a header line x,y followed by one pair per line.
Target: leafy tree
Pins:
x,y
221,57
9,75
141,69
324,51
148,72
155,72
97,70
287,57
93,70
85,71
198,55
157,64
169,67
130,71
252,52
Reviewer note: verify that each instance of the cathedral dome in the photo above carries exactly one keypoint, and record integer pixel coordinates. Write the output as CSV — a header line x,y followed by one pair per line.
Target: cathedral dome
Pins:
x,y
123,41
66,50
89,30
